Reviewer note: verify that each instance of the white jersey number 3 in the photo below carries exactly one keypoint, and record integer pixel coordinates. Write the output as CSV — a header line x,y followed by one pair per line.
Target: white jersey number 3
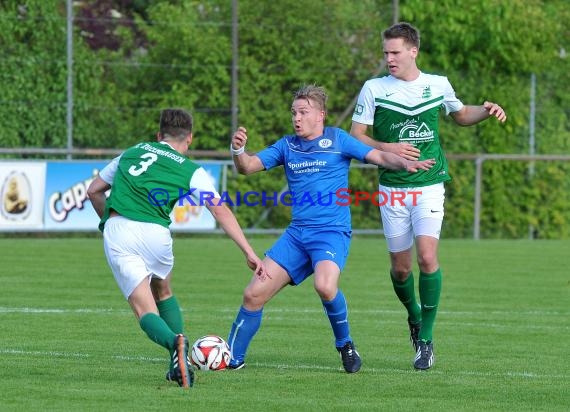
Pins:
x,y
137,170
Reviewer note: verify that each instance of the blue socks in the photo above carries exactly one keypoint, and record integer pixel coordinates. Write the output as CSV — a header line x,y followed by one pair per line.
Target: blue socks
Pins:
x,y
244,328
337,312
247,324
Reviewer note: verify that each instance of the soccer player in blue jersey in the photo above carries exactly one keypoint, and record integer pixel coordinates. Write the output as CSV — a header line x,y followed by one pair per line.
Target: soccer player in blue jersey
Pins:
x,y
316,161
402,109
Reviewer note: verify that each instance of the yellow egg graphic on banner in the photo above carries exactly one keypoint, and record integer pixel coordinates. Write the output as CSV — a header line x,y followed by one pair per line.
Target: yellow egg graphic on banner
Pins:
x,y
16,196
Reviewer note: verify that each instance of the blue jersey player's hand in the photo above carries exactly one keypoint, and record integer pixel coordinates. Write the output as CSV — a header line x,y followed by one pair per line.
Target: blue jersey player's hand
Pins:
x,y
414,165
239,139
406,150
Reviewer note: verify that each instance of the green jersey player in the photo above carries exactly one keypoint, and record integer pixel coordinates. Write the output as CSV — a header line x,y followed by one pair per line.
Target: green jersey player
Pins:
x,y
147,180
403,110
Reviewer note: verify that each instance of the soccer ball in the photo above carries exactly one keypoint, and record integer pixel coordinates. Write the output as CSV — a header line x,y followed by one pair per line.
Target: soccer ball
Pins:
x,y
210,353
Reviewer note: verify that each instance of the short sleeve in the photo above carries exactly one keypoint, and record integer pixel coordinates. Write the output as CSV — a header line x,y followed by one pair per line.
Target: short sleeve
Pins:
x,y
273,156
202,186
353,148
108,172
365,108
451,103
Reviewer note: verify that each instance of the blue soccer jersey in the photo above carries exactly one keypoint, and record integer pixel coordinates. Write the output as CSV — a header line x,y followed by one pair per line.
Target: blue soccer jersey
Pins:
x,y
317,171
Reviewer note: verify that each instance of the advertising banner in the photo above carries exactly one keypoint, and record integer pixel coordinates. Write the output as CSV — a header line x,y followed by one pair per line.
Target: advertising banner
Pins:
x,y
22,195
66,204
52,196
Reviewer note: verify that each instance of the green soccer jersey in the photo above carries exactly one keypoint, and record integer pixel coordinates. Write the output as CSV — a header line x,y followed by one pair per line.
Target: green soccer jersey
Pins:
x,y
408,112
148,179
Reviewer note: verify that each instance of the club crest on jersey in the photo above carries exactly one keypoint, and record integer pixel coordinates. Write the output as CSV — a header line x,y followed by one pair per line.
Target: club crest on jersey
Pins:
x,y
325,143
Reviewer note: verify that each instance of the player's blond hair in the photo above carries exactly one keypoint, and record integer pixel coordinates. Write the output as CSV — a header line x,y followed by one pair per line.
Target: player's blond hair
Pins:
x,y
313,93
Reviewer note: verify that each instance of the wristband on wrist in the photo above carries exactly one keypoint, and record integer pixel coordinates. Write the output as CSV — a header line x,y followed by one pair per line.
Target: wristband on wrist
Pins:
x,y
237,152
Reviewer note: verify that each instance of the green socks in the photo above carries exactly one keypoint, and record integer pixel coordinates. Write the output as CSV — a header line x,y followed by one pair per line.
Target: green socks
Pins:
x,y
157,330
169,310
163,329
430,290
407,295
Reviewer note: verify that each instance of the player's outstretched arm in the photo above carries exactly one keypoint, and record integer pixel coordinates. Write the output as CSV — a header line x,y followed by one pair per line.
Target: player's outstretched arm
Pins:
x,y
394,162
406,150
230,225
96,194
245,163
470,115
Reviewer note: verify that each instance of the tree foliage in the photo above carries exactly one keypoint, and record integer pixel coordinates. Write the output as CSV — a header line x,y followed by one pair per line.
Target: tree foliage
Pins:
x,y
133,57
33,83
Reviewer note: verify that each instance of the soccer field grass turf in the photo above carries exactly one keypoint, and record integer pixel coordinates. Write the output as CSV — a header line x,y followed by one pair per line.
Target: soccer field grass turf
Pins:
x,y
70,341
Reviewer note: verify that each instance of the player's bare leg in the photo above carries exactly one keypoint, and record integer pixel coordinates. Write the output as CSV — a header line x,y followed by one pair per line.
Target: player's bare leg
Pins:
x,y
248,320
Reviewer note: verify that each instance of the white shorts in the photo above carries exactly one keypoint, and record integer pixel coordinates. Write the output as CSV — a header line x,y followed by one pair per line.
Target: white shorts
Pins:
x,y
410,212
136,250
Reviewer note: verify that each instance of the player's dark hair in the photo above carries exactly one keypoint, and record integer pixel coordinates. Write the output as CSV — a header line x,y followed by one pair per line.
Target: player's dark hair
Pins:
x,y
175,123
314,93
405,31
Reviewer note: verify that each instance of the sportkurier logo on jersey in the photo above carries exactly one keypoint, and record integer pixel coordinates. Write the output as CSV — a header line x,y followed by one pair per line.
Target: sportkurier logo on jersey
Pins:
x,y
306,166
311,166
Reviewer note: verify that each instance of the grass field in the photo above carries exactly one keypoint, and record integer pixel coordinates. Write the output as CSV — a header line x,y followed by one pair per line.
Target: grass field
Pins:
x,y
69,341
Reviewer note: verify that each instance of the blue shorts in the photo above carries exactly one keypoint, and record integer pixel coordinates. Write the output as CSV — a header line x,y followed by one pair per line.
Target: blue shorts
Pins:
x,y
299,249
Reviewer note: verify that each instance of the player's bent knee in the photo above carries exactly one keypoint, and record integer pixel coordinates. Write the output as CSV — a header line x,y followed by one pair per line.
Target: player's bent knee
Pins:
x,y
326,291
253,298
428,262
326,296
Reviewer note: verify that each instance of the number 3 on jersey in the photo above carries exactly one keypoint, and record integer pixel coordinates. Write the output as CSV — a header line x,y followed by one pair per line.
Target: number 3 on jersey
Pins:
x,y
143,164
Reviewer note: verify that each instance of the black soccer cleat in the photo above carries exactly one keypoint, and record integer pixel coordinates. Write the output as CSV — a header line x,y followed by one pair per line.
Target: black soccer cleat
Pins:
x,y
414,333
424,356
181,371
236,366
350,358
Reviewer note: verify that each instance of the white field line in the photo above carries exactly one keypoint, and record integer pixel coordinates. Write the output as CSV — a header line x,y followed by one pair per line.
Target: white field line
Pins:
x,y
373,371
98,311
50,354
270,311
